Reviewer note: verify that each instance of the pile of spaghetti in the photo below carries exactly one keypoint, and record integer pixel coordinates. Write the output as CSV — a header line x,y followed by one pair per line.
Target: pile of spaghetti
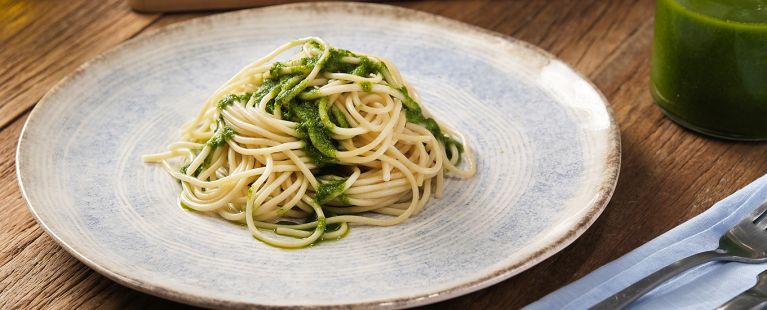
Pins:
x,y
302,148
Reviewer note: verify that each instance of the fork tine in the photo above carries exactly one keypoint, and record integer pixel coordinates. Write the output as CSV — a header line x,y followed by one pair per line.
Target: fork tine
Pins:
x,y
758,214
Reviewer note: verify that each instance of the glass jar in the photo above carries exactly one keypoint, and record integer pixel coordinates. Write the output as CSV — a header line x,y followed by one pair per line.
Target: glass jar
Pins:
x,y
709,66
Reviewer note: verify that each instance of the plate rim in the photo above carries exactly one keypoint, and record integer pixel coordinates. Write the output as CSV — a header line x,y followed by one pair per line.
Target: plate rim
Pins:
x,y
605,189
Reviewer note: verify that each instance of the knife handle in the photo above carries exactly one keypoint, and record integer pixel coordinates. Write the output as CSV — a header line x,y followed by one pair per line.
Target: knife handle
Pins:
x,y
752,298
198,5
749,299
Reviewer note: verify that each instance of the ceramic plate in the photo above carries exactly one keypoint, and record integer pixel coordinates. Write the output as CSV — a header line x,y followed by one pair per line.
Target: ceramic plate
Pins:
x,y
546,144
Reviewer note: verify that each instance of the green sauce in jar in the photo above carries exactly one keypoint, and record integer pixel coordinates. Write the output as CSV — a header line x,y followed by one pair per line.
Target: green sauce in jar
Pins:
x,y
709,65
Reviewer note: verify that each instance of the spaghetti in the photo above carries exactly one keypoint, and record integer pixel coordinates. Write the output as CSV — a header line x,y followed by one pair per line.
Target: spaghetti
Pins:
x,y
302,148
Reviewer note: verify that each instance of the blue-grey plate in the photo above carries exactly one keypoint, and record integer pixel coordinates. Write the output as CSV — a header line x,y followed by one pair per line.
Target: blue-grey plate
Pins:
x,y
547,148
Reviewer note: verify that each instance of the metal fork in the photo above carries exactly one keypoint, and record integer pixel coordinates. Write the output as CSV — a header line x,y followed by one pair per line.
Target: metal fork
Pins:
x,y
745,242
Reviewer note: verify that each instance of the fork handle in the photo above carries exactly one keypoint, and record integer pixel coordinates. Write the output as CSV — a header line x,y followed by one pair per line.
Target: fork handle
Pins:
x,y
625,297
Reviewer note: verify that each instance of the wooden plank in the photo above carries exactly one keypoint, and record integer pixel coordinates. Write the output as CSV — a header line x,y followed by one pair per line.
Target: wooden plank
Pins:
x,y
581,33
35,272
43,41
668,174
540,27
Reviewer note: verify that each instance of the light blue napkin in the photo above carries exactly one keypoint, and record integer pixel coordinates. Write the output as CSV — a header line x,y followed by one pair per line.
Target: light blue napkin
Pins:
x,y
704,287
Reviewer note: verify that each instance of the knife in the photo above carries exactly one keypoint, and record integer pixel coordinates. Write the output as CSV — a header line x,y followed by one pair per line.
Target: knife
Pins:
x,y
198,5
752,298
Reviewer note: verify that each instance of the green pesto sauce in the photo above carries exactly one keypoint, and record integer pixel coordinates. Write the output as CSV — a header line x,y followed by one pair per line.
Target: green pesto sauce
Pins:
x,y
276,70
367,67
186,166
315,119
321,223
319,159
232,98
323,112
366,86
338,117
334,63
364,68
328,190
223,134
331,228
414,115
310,95
328,227
312,130
199,169
183,169
289,88
264,89
344,199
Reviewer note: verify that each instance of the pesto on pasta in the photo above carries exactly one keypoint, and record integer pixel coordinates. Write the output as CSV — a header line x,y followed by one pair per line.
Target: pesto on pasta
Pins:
x,y
297,150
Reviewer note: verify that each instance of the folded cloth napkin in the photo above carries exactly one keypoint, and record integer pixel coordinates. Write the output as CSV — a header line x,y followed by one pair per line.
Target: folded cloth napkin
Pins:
x,y
704,287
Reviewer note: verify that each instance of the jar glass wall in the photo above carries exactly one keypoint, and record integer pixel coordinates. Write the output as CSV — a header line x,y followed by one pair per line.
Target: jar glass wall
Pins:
x,y
709,66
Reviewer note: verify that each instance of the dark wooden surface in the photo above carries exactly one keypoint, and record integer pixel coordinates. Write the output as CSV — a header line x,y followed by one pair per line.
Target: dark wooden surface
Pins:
x,y
668,174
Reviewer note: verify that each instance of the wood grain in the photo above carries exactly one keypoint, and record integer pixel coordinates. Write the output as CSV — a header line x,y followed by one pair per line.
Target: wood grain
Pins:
x,y
668,174
43,41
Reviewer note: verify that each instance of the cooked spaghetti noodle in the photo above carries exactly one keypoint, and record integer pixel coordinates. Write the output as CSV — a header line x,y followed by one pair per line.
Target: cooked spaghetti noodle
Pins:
x,y
302,148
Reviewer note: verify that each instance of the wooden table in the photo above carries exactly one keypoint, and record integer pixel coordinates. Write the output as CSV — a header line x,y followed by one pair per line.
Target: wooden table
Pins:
x,y
668,174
